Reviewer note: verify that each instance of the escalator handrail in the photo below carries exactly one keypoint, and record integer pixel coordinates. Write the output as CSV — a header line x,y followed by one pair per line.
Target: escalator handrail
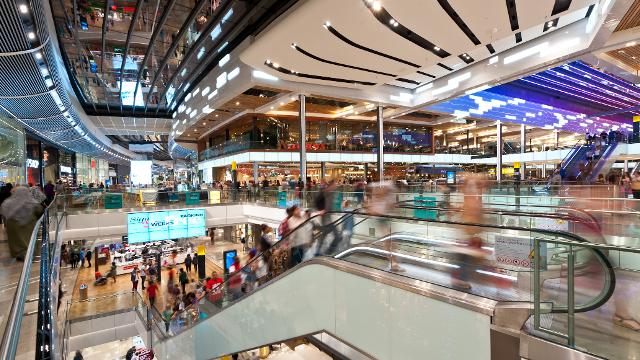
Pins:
x,y
575,240
597,168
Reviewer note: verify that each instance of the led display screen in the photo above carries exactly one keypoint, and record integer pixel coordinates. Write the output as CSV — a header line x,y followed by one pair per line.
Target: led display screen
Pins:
x,y
165,225
141,172
126,96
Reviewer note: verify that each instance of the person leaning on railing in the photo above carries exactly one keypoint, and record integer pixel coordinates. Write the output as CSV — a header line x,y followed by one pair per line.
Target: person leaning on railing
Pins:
x,y
20,212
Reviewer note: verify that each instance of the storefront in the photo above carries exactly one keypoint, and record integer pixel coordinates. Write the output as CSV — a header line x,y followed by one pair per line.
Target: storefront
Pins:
x,y
91,170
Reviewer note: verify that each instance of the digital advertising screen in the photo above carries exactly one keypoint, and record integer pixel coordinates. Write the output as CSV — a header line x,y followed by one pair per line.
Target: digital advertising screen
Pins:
x,y
141,172
126,96
165,225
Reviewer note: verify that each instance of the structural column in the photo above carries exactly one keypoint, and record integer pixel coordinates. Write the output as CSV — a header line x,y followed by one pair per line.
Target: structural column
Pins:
x,y
626,166
523,148
557,137
303,139
255,172
498,151
380,158
323,170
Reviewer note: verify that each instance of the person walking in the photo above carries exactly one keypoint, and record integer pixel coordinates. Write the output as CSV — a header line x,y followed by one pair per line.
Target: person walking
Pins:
x,y
88,257
113,271
187,262
152,292
143,274
82,254
20,212
183,279
134,279
194,262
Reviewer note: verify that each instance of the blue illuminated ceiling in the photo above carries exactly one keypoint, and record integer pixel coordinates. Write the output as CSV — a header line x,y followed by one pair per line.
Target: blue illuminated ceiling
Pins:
x,y
573,97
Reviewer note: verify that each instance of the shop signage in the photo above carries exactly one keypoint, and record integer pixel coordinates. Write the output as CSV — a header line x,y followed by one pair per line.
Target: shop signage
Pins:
x,y
192,198
33,163
65,169
214,197
112,201
421,203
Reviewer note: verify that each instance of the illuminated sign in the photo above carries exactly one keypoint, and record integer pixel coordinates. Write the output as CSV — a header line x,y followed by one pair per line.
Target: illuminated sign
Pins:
x,y
33,163
165,225
128,87
65,169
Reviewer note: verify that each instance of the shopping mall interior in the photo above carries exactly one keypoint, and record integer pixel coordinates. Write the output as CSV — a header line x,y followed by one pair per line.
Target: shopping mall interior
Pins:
x,y
319,179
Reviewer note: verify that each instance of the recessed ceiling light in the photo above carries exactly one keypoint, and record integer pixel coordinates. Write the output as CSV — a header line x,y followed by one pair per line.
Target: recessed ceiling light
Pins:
x,y
436,48
376,6
327,24
237,103
281,103
23,8
204,123
216,115
31,35
38,56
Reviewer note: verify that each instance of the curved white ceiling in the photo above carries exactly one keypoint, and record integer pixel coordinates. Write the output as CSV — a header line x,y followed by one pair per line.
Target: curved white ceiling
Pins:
x,y
488,20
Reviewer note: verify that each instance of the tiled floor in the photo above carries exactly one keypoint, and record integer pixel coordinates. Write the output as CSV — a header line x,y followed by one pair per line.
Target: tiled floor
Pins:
x,y
283,352
115,350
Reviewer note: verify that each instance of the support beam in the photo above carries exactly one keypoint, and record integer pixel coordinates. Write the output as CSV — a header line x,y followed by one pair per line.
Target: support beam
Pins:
x,y
323,170
523,148
380,157
498,151
626,166
255,172
303,139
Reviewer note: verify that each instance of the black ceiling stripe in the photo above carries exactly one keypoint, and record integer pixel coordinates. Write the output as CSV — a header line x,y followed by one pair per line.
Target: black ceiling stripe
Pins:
x,y
408,81
337,34
513,14
491,49
560,6
466,58
458,20
316,77
518,37
590,10
445,66
308,54
425,74
383,16
550,24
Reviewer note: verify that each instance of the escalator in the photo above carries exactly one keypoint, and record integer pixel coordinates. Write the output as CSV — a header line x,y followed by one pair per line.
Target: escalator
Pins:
x,y
603,164
384,285
570,167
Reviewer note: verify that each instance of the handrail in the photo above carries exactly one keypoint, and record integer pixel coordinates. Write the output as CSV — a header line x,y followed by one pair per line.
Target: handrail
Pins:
x,y
11,335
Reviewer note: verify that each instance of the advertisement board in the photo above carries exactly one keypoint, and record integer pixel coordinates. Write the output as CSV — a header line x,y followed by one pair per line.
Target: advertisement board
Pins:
x,y
165,225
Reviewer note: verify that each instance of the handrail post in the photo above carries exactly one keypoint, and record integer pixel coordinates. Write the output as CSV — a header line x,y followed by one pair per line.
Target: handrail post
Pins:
x,y
536,283
571,298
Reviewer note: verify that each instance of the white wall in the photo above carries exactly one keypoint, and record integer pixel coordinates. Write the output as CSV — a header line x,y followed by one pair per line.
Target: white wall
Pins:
x,y
383,321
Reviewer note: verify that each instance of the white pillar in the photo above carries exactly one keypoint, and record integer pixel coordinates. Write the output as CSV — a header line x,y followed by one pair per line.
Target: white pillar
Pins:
x,y
626,166
255,172
303,139
498,151
523,147
380,158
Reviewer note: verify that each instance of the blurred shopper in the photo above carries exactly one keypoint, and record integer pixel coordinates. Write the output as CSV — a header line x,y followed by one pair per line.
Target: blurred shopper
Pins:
x,y
235,279
267,239
20,212
187,262
78,355
143,275
152,292
470,255
297,239
60,194
134,279
5,192
167,314
381,202
49,192
87,256
635,185
183,279
113,271
37,193
82,254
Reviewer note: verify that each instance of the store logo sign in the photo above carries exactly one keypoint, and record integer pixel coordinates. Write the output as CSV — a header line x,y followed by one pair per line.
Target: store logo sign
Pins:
x,y
33,163
65,169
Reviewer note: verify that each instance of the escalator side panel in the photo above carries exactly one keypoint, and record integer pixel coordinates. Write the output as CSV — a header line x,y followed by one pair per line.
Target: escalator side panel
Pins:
x,y
375,317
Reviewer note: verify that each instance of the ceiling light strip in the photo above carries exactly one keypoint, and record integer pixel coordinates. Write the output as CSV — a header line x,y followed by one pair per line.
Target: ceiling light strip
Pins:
x,y
127,44
444,4
337,34
383,16
316,77
308,54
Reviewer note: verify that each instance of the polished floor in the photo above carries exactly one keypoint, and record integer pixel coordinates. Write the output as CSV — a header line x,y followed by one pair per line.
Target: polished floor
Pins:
x,y
116,295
